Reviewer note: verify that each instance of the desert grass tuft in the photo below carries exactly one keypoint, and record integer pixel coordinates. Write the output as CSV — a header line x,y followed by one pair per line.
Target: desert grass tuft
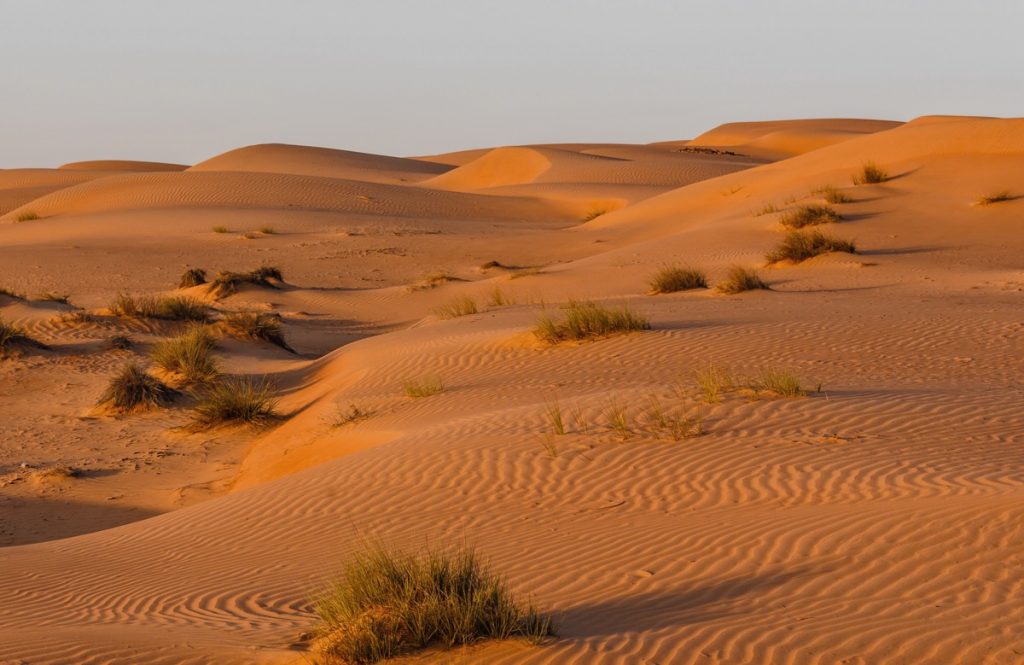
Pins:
x,y
51,296
119,343
832,195
594,214
267,230
172,308
713,382
766,209
774,382
134,390
256,325
432,280
995,197
670,279
235,400
189,355
553,412
220,229
11,334
799,246
498,298
809,215
27,216
740,279
192,277
617,417
353,415
226,282
870,174
461,306
389,603
423,387
589,320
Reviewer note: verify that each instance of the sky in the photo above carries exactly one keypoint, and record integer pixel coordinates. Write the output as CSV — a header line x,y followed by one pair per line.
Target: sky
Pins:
x,y
182,81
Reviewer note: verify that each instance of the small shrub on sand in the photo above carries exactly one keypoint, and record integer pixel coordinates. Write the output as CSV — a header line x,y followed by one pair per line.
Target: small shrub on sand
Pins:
x,y
190,355
498,298
713,382
766,209
774,382
799,246
389,603
192,277
832,195
172,308
618,419
256,325
134,390
588,320
226,283
809,215
594,214
119,343
433,280
28,216
492,264
869,174
675,278
995,197
462,306
220,229
423,387
235,400
267,230
740,279
11,334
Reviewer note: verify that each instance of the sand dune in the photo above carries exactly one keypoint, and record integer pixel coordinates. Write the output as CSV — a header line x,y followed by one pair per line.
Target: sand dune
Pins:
x,y
875,520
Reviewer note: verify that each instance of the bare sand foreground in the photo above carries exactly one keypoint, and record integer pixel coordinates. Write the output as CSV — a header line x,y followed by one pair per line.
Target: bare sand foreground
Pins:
x,y
879,519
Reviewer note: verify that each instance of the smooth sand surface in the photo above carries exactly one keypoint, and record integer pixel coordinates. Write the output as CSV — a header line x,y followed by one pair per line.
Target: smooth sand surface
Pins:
x,y
876,520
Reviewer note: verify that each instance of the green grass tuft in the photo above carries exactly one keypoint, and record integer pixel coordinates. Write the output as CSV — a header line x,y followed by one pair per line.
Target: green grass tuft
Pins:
x,y
389,603
189,355
134,390
256,325
589,320
740,279
675,278
809,215
799,246
235,400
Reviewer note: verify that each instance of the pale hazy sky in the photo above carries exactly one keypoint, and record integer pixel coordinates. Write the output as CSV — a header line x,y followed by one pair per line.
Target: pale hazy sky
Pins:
x,y
183,80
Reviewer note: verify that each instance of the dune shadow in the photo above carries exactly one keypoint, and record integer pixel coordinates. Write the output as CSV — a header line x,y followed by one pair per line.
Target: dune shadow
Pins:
x,y
667,609
897,251
27,520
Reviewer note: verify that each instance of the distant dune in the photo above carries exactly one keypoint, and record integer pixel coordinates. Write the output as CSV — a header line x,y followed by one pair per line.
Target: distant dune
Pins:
x,y
826,470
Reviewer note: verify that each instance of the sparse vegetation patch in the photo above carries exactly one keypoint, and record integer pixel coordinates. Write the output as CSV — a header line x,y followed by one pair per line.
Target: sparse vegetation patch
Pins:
x,y
799,246
589,320
389,603
809,215
235,400
995,197
676,278
189,355
226,283
740,279
132,389
870,174
192,277
256,325
462,306
172,308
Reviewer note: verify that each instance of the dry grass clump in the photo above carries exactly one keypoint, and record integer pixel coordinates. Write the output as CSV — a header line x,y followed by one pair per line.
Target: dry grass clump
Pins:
x,y
675,278
423,387
525,272
594,214
57,473
713,382
11,334
389,603
870,174
498,298
995,197
774,382
588,320
809,215
27,216
462,306
189,355
256,325
832,195
267,230
433,280
119,343
799,246
134,390
766,209
51,296
740,279
353,415
220,229
235,400
172,308
226,282
192,277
